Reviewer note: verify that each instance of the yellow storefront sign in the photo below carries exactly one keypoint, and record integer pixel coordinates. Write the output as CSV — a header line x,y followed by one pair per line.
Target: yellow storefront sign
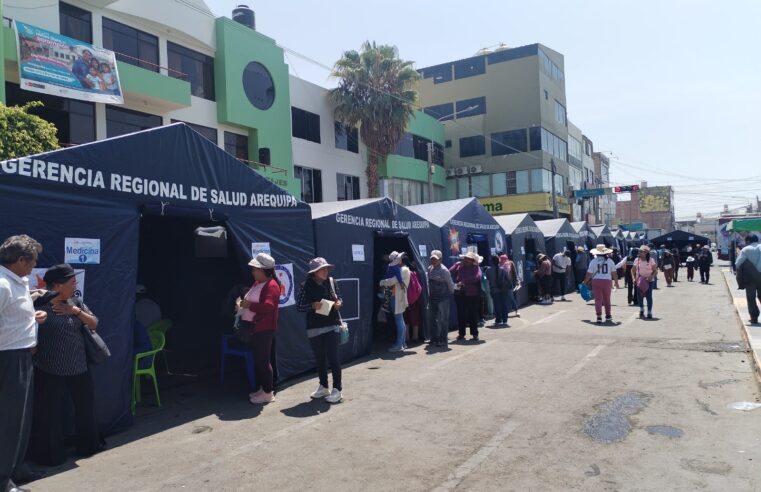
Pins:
x,y
530,202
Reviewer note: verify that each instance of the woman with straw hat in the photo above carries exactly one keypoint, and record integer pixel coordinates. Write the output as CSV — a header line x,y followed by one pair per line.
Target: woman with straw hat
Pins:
x,y
601,273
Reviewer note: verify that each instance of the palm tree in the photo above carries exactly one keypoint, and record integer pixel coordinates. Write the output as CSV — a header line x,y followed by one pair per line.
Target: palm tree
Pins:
x,y
376,92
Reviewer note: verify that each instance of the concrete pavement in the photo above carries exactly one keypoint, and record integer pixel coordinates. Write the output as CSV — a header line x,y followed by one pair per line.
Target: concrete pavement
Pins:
x,y
752,333
553,403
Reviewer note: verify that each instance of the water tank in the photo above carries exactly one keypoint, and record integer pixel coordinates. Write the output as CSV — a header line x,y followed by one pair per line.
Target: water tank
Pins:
x,y
244,15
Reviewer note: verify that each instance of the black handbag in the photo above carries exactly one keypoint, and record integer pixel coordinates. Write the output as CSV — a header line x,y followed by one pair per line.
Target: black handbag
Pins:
x,y
95,348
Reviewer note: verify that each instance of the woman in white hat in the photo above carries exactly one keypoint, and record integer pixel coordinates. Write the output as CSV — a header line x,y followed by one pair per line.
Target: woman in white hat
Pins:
x,y
601,273
322,329
259,307
399,283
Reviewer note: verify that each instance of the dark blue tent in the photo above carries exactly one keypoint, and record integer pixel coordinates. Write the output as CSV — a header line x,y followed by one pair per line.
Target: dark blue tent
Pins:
x,y
142,196
559,236
602,235
463,222
355,235
524,242
585,233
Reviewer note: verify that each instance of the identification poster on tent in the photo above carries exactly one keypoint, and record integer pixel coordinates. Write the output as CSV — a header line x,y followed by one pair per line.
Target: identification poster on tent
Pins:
x,y
36,281
423,249
285,275
78,250
62,66
257,248
358,252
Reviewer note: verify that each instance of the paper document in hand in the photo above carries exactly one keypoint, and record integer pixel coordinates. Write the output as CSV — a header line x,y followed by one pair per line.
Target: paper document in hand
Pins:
x,y
325,307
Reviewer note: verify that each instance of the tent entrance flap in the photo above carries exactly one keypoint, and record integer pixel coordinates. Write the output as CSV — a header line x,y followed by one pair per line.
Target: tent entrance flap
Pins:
x,y
481,242
190,287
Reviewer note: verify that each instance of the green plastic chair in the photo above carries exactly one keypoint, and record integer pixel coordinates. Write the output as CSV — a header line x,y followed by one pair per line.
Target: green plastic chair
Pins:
x,y
157,342
163,326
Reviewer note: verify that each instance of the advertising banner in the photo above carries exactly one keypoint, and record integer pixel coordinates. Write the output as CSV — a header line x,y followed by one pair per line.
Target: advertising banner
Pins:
x,y
655,199
54,64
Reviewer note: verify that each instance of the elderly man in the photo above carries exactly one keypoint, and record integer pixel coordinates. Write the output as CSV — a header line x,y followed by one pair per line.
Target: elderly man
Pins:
x,y
440,289
748,266
18,336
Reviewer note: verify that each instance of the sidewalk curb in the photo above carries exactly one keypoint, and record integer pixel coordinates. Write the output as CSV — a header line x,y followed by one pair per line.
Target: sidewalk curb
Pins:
x,y
752,334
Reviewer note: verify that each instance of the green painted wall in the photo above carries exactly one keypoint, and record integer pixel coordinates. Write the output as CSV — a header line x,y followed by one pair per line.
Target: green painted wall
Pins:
x,y
151,84
397,166
238,45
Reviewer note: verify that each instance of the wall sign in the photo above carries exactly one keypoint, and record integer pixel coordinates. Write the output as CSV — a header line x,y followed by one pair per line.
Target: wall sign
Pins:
x,y
81,251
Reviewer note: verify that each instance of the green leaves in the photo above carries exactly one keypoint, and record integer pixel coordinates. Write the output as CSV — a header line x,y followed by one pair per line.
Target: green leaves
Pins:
x,y
23,134
377,92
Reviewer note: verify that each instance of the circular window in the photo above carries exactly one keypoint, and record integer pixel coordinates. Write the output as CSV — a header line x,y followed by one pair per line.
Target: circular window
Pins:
x,y
258,85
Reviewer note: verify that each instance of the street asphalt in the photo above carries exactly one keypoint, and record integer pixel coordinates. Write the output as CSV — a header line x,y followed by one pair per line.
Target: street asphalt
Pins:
x,y
555,402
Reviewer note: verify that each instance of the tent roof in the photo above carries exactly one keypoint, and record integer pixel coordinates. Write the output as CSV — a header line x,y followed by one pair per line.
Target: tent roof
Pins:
x,y
324,209
680,236
511,222
601,230
439,213
750,224
551,227
580,225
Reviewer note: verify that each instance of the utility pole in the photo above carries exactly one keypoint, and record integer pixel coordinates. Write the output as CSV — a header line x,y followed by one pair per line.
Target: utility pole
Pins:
x,y
554,199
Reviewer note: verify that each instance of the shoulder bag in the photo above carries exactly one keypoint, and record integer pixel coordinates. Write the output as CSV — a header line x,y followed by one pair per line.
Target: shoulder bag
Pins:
x,y
343,327
95,348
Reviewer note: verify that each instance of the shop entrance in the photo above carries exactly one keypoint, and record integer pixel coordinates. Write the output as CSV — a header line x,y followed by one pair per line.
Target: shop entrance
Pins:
x,y
189,277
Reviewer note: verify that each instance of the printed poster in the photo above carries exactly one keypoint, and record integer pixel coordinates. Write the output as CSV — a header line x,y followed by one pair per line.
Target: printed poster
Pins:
x,y
358,252
423,250
62,66
36,281
285,276
81,251
257,248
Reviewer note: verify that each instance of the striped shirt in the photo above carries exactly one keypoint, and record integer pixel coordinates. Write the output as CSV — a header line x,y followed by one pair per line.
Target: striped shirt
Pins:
x,y
18,330
61,344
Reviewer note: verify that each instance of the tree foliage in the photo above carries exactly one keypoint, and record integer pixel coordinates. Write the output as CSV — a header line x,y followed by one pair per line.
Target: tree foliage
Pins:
x,y
23,134
377,92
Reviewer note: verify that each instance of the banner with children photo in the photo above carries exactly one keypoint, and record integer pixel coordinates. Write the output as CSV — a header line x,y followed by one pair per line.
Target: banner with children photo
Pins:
x,y
54,64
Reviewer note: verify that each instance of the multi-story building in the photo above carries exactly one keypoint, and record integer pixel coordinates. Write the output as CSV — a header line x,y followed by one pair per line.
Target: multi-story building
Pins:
x,y
575,167
652,205
506,128
230,83
607,203
590,206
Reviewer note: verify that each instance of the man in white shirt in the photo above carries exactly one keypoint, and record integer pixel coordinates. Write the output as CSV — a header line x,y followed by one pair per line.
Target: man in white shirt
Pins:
x,y
750,257
18,336
561,265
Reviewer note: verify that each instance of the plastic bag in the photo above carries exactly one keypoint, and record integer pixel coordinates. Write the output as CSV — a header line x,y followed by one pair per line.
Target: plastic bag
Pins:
x,y
343,333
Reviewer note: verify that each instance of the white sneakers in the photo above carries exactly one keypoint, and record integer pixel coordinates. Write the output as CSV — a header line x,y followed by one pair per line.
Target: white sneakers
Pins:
x,y
320,392
334,397
330,396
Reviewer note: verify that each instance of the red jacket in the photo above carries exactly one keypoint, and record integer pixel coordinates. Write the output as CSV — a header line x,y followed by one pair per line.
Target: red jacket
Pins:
x,y
265,311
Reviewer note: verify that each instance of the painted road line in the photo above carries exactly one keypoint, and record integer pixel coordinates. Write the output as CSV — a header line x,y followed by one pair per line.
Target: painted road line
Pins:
x,y
549,318
591,355
629,320
475,460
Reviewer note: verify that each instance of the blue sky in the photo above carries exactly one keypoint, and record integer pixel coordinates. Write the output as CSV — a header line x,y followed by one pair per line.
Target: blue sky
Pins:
x,y
671,88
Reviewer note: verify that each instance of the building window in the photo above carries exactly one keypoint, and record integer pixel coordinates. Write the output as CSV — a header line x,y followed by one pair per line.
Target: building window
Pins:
x,y
347,186
469,67
521,182
471,146
439,73
499,184
448,144
205,131
196,68
510,142
477,103
553,145
536,180
347,137
311,183
305,125
130,45
74,120
120,121
480,185
574,151
550,68
75,22
560,113
236,145
416,147
441,112
512,186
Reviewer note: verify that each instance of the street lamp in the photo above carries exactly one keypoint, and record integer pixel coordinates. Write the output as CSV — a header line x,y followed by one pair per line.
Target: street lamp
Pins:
x,y
430,150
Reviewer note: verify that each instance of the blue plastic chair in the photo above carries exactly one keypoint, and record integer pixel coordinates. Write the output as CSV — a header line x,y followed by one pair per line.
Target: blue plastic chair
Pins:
x,y
237,352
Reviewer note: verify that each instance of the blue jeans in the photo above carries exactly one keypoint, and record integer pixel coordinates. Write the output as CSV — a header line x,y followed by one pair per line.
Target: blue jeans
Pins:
x,y
438,318
401,329
500,306
512,303
649,296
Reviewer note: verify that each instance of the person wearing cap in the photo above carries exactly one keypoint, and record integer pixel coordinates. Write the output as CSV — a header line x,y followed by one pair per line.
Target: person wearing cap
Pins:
x,y
440,289
322,329
18,337
467,278
61,371
601,273
705,260
260,308
398,298
645,268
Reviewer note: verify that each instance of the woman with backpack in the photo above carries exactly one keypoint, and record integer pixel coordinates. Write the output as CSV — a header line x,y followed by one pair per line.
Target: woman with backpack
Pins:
x,y
644,273
399,303
322,329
